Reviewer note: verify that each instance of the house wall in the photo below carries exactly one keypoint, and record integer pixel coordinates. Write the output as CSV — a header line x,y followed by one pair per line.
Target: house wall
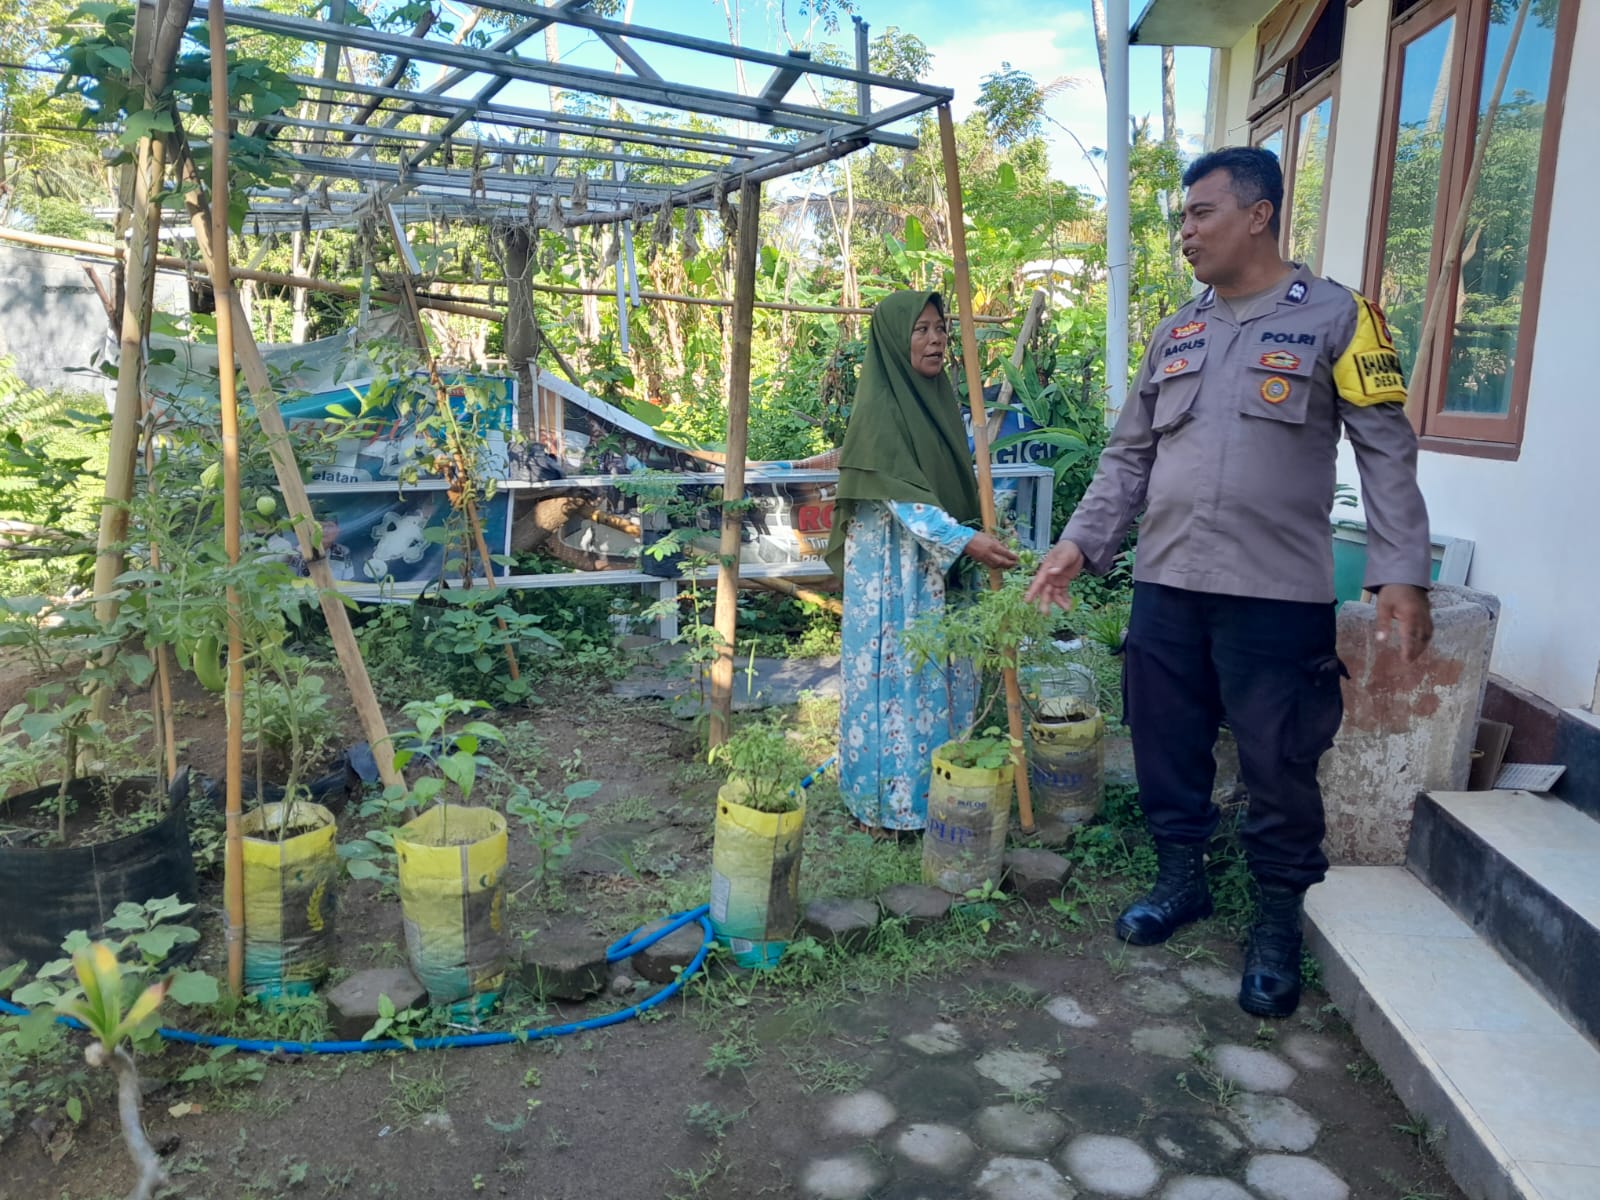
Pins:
x,y
1532,520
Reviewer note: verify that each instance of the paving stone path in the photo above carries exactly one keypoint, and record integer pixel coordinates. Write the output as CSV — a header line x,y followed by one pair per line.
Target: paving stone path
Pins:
x,y
1057,1101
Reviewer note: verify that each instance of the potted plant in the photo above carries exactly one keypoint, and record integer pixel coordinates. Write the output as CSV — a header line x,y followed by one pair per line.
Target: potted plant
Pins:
x,y
969,799
451,862
755,854
87,824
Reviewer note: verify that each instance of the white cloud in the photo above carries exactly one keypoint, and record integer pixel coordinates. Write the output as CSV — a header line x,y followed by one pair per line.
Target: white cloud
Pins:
x,y
1064,45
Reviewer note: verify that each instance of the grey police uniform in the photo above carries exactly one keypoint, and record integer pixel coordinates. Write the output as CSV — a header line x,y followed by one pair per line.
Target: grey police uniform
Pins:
x,y
1228,446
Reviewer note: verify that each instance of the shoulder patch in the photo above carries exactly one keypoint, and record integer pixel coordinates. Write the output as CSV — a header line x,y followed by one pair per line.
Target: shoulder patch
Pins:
x,y
1297,292
1369,370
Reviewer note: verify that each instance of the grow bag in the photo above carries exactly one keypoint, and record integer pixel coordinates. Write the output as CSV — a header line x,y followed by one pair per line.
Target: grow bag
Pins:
x,y
48,891
452,867
1066,761
290,896
969,811
755,878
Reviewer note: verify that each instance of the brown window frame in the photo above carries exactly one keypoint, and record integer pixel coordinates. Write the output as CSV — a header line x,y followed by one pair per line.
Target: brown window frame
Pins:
x,y
1285,115
1480,435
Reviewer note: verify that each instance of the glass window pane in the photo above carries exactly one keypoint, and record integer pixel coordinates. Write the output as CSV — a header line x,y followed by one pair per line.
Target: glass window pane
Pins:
x,y
1494,245
1310,167
1274,142
1415,184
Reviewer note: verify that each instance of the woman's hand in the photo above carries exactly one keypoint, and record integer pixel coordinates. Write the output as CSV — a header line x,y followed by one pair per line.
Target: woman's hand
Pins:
x,y
990,551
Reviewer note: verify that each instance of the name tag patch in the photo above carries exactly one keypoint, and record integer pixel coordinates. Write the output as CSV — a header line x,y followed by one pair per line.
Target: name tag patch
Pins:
x,y
1280,360
1275,390
1176,365
1183,347
1188,329
1289,339
1379,371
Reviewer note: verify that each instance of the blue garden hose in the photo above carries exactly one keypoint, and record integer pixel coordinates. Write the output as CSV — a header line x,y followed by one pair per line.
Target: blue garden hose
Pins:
x,y
624,947
620,949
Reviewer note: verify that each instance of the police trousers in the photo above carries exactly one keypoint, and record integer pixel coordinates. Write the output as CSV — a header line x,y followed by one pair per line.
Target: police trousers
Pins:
x,y
1270,667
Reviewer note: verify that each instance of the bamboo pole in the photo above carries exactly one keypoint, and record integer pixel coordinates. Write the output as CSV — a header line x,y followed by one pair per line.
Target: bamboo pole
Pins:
x,y
149,170
426,299
807,595
222,288
980,435
746,254
1438,305
293,487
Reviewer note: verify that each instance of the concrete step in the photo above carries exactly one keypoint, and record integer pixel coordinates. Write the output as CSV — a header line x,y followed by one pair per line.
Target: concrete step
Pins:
x,y
1466,1042
1524,871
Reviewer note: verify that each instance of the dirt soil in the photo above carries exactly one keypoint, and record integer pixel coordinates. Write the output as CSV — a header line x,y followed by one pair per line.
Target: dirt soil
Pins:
x,y
727,1092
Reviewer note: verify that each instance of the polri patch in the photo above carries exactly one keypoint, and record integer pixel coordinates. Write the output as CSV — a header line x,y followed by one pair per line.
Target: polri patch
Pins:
x,y
1176,365
1188,329
1297,292
1289,339
1275,390
1281,360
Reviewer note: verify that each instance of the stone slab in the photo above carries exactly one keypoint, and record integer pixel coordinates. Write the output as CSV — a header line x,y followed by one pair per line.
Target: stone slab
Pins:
x,y
662,962
1275,1123
1253,1069
843,1177
861,1114
353,1004
1037,876
1019,1130
1008,1178
565,966
1286,1177
845,922
935,1147
919,905
1112,1166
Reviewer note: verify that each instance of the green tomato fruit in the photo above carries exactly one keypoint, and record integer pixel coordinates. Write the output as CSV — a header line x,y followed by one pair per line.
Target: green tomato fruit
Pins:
x,y
266,505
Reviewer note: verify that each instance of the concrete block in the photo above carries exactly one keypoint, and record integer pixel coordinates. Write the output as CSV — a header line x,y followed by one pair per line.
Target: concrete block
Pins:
x,y
847,922
919,904
1408,727
353,1005
569,967
662,962
1035,875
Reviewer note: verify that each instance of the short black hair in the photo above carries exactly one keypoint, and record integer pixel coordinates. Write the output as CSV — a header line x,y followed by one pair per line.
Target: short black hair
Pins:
x,y
1254,174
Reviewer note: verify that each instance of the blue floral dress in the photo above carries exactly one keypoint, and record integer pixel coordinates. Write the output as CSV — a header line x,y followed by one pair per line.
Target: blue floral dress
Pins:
x,y
891,718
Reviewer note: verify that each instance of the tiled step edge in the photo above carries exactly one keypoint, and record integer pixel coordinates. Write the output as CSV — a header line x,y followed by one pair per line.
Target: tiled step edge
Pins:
x,y
1465,1042
1524,871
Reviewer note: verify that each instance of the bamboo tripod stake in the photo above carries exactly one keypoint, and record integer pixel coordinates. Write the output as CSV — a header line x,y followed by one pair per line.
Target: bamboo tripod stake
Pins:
x,y
222,287
298,503
746,253
980,436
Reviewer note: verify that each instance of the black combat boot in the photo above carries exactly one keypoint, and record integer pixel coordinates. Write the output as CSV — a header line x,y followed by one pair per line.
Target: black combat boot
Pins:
x,y
1179,897
1271,983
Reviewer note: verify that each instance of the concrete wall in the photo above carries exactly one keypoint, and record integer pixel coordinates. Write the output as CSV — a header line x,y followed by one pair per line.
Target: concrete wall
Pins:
x,y
1530,519
53,324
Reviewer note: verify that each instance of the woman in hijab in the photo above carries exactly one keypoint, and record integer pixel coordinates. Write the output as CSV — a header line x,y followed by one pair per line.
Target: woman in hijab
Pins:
x,y
907,504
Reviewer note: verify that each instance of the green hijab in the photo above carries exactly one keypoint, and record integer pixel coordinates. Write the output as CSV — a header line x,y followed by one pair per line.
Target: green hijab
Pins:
x,y
905,440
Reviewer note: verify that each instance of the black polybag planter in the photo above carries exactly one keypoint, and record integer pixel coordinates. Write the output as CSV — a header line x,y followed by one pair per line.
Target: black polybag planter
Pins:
x,y
48,891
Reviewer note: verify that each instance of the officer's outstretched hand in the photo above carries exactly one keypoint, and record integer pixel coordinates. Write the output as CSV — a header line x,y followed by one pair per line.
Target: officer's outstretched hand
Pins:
x,y
1061,566
1404,606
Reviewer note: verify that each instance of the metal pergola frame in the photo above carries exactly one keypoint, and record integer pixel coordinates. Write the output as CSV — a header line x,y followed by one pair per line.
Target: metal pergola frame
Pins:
x,y
515,162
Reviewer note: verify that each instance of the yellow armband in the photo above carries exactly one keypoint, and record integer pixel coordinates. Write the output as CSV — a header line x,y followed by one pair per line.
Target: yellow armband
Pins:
x,y
1368,372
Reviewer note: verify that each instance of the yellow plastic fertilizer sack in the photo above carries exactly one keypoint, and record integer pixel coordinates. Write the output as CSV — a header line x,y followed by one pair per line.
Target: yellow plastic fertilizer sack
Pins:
x,y
755,878
290,895
452,867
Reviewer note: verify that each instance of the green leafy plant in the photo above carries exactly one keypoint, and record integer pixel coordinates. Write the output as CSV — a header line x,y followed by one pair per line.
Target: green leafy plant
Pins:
x,y
765,764
551,824
987,632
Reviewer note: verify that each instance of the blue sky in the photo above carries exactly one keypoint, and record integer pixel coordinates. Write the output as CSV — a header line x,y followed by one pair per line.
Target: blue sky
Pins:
x,y
1046,38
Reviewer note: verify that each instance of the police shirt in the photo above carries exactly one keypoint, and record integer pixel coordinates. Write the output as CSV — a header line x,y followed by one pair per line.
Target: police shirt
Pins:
x,y
1229,446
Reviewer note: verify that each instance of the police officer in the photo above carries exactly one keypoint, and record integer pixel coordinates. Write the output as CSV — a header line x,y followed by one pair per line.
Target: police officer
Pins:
x,y
1228,448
